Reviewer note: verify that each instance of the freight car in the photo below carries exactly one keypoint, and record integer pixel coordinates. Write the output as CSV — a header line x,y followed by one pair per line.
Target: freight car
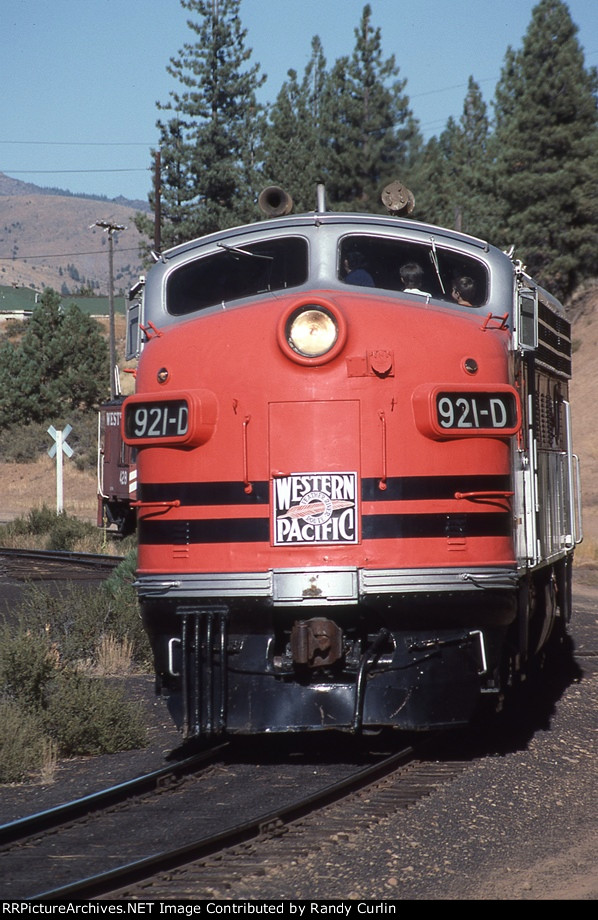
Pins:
x,y
117,472
358,501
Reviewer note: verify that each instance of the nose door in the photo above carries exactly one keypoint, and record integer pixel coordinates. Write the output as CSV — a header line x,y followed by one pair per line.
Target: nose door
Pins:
x,y
314,462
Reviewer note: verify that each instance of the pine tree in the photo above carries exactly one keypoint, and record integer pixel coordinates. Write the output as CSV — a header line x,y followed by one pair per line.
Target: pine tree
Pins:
x,y
294,145
61,363
37,384
209,145
470,157
546,143
9,367
453,178
85,363
367,120
433,185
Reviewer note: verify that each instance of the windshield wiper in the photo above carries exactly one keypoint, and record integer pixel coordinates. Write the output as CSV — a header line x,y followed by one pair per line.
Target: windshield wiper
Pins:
x,y
236,250
434,260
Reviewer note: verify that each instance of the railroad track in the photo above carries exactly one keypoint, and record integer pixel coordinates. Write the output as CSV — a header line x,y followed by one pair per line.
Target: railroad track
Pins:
x,y
212,844
286,837
28,842
55,565
53,818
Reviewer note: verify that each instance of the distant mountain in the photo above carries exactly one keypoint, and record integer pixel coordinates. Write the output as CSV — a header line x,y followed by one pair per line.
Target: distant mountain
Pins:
x,y
10,186
48,238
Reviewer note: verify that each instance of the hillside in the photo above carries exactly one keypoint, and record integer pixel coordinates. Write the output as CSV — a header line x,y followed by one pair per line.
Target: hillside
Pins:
x,y
584,310
50,239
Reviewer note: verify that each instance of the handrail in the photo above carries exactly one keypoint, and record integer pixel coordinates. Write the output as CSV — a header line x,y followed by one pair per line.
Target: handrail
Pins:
x,y
475,495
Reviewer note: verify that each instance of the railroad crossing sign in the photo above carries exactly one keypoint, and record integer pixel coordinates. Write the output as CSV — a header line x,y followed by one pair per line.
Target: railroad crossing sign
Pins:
x,y
58,448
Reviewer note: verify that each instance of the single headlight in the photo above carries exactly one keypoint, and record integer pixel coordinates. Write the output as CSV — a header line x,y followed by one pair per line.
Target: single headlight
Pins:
x,y
312,331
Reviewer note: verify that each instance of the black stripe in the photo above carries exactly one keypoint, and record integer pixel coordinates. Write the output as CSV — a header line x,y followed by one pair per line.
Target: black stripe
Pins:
x,y
403,488
183,533
205,493
418,488
409,526
374,527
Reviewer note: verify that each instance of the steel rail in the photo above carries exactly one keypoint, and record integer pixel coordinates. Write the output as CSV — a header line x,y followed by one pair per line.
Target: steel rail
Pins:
x,y
52,818
122,876
59,555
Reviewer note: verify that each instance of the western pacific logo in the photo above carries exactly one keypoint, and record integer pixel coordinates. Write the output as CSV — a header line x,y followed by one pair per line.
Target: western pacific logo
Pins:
x,y
315,508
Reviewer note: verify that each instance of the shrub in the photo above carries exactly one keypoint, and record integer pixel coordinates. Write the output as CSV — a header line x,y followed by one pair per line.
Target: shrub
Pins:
x,y
24,748
43,528
66,532
27,663
121,601
77,618
87,716
23,443
37,521
73,617
48,705
124,574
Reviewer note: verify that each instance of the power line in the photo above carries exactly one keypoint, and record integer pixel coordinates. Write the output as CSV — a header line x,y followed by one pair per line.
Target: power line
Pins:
x,y
64,255
447,89
25,172
83,143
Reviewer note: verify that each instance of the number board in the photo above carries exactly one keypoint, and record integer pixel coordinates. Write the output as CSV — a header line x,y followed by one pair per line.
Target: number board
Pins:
x,y
494,411
167,419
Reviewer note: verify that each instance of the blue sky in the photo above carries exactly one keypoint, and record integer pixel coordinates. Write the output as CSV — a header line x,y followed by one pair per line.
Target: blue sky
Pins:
x,y
81,78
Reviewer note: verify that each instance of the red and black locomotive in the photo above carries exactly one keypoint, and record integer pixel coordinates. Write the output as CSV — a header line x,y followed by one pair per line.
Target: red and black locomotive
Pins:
x,y
357,498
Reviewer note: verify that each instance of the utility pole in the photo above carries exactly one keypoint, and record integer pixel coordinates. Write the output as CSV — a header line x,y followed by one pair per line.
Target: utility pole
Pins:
x,y
111,230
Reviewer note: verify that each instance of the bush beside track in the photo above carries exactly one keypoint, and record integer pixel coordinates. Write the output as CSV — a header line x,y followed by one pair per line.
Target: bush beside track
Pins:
x,y
63,656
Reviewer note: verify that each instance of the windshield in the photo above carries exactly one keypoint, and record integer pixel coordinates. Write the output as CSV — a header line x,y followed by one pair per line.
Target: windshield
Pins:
x,y
425,269
237,271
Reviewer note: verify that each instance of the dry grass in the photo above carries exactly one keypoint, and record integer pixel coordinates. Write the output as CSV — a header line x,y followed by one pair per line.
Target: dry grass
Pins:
x,y
114,657
22,541
47,772
24,486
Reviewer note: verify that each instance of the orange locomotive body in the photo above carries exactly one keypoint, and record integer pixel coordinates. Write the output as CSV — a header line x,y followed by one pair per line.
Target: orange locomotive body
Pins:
x,y
340,515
